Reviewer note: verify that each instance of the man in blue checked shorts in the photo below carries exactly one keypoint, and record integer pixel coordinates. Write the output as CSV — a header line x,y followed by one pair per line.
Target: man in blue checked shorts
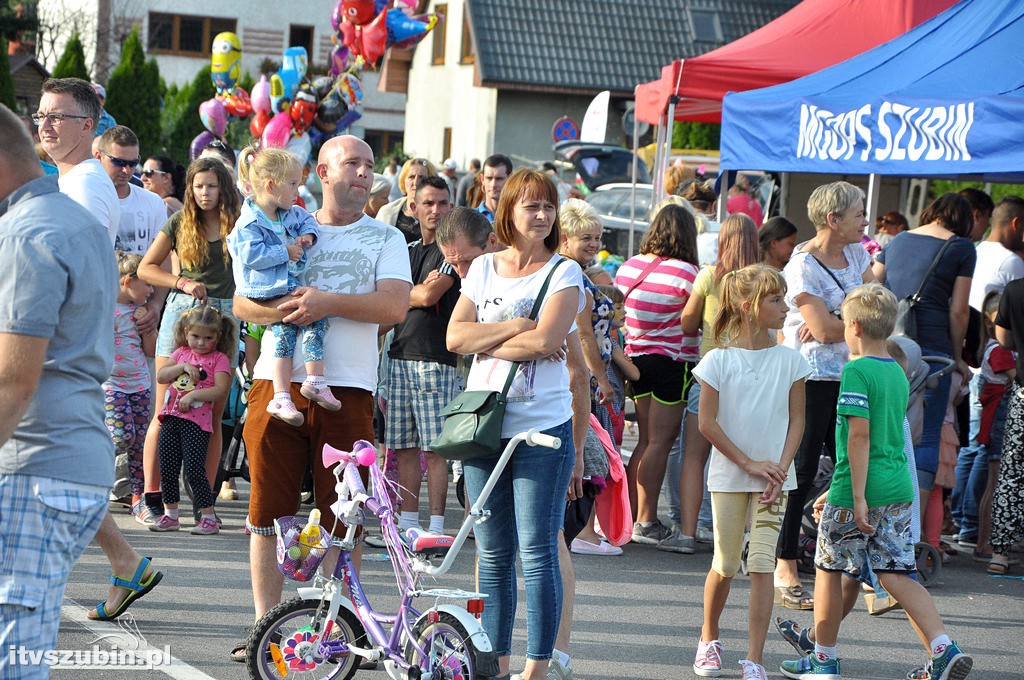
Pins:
x,y
56,349
422,373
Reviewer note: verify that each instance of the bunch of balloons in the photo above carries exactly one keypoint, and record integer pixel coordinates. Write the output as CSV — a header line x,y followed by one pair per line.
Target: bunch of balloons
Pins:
x,y
230,100
294,113
609,262
366,28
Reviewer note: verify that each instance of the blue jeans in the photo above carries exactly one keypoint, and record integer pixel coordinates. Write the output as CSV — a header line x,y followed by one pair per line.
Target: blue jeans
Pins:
x,y
674,469
971,471
527,509
936,400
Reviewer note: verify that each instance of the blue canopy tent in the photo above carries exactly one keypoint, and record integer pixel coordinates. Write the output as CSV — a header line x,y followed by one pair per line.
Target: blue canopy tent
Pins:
x,y
944,99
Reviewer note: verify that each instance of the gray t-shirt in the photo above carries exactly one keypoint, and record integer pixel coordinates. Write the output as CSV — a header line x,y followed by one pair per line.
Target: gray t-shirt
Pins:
x,y
59,283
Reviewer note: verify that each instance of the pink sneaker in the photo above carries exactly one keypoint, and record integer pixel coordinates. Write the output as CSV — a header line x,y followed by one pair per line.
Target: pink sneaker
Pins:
x,y
284,409
322,396
165,523
205,526
708,663
753,671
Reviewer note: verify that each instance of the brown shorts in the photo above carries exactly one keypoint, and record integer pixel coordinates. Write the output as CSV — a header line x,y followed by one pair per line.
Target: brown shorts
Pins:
x,y
279,453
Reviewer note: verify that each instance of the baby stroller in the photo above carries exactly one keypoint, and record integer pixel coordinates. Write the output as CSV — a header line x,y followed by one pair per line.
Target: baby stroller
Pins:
x,y
922,374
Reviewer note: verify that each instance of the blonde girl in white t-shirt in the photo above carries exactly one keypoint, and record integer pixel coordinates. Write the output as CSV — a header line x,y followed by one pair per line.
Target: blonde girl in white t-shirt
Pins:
x,y
752,412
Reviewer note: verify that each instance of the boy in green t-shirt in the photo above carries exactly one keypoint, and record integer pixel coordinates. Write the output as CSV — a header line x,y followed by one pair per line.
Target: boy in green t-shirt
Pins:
x,y
866,521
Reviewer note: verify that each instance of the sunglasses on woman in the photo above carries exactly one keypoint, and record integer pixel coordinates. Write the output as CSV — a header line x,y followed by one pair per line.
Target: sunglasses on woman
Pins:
x,y
150,173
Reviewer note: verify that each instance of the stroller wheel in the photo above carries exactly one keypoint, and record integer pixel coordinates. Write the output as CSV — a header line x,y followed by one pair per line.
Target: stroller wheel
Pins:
x,y
929,563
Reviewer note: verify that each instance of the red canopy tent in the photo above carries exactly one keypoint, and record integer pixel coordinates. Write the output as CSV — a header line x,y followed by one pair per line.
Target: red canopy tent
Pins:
x,y
813,35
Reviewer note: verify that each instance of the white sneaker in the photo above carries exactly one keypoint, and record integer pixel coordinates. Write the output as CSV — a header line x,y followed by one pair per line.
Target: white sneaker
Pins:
x,y
582,547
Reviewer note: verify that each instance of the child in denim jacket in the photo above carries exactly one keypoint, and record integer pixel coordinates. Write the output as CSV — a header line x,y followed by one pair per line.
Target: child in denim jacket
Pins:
x,y
268,250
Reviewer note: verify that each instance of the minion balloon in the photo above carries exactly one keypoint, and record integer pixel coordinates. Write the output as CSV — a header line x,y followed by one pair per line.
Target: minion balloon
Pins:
x,y
226,62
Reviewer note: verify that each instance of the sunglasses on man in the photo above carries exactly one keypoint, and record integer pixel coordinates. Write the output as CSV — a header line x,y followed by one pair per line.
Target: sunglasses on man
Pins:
x,y
121,162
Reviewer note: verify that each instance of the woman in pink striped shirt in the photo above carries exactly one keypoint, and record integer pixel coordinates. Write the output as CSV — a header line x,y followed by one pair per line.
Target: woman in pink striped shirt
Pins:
x,y
657,283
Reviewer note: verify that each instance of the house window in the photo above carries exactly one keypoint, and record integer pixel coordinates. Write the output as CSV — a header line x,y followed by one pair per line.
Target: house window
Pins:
x,y
185,35
706,26
301,36
467,55
447,143
439,33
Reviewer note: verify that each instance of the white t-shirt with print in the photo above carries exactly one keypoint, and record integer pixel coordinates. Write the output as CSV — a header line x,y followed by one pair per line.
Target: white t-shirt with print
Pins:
x,y
142,215
805,275
753,409
351,260
539,396
995,267
90,187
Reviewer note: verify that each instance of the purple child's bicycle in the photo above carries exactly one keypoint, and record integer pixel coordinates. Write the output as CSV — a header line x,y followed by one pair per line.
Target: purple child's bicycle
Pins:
x,y
331,628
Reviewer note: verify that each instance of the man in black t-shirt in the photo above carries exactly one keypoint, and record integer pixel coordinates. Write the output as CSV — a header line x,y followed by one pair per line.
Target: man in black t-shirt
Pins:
x,y
422,374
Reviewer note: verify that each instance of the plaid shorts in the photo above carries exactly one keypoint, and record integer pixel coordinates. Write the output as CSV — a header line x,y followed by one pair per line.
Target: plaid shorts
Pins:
x,y
843,547
417,391
45,524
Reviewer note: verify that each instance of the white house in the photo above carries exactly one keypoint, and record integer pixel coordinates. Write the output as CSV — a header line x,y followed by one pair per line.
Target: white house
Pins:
x,y
179,34
495,75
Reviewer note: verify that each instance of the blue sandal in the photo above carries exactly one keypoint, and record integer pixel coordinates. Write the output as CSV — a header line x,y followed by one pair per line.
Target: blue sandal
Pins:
x,y
136,588
788,630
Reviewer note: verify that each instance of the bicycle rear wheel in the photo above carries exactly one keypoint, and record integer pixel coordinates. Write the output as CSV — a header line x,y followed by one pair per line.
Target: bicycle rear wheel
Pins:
x,y
450,652
284,644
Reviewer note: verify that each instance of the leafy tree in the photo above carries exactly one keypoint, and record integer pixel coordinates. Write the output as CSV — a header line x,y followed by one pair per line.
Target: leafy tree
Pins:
x,y
13,21
998,192
6,81
134,92
687,135
72,63
180,118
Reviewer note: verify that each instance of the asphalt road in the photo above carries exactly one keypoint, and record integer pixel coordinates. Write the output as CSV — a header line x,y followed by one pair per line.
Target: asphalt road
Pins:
x,y
637,616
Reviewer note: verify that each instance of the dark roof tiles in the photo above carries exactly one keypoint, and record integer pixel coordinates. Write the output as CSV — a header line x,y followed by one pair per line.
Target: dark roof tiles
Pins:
x,y
594,45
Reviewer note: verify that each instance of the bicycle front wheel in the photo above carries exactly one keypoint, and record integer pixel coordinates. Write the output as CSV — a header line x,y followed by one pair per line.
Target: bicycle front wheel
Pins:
x,y
285,643
449,648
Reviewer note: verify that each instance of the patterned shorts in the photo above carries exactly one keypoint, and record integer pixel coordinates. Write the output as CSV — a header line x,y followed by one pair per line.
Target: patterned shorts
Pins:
x,y
418,390
843,547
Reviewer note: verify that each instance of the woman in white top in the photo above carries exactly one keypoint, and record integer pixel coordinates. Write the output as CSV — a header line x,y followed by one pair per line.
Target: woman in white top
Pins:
x,y
527,504
818,278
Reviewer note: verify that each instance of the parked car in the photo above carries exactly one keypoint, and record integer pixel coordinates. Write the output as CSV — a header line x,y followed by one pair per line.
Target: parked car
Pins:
x,y
600,164
612,203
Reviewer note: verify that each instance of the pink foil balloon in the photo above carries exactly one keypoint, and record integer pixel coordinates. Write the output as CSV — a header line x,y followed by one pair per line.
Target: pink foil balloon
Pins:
x,y
277,131
260,95
214,117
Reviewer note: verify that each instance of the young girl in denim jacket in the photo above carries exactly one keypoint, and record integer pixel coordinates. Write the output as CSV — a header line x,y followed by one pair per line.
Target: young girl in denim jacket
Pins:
x,y
268,249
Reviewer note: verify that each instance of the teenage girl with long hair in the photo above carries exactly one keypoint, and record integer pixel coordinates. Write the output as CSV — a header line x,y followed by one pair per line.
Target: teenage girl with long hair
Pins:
x,y
197,235
752,412
656,284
